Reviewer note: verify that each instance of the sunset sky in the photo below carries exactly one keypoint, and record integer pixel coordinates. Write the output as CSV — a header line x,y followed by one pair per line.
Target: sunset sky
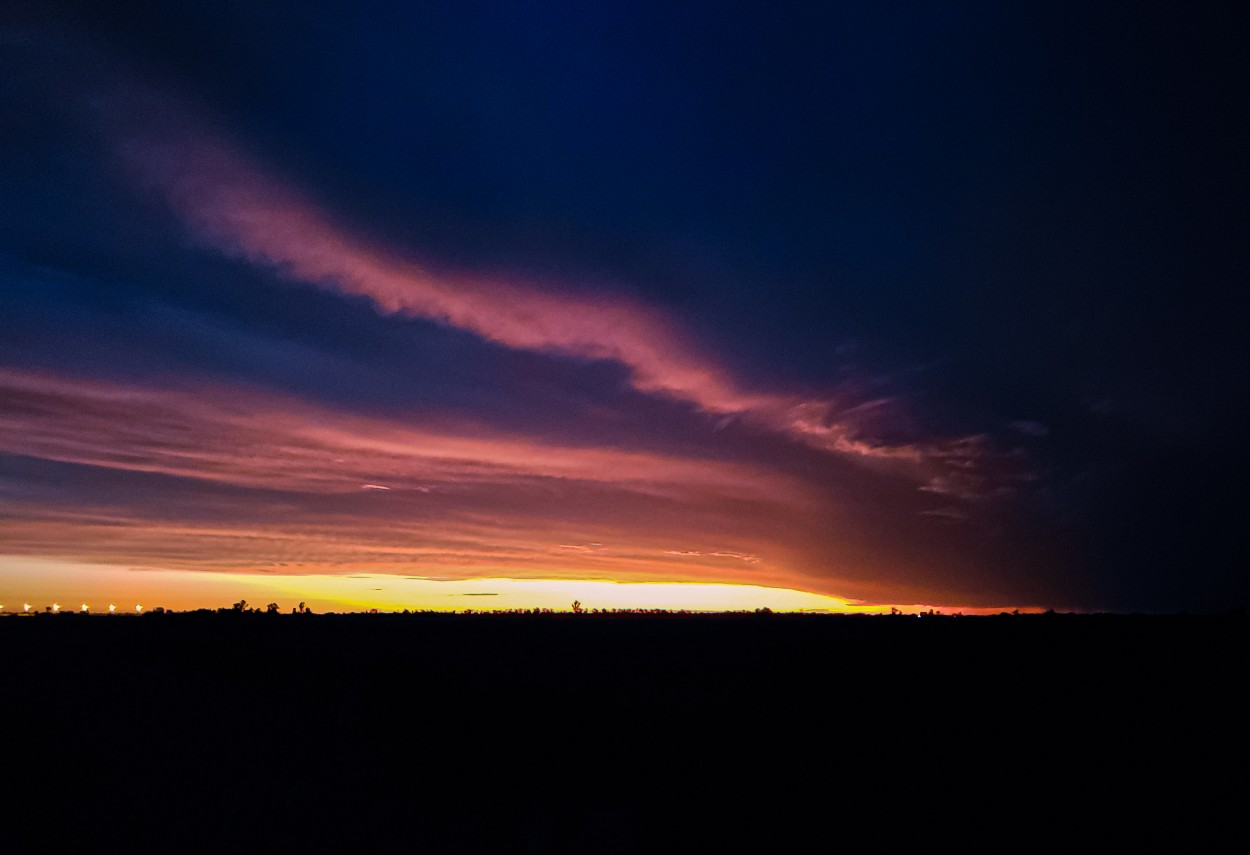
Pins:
x,y
497,305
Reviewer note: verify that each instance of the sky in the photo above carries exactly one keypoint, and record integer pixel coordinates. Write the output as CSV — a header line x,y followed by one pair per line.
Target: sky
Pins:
x,y
830,306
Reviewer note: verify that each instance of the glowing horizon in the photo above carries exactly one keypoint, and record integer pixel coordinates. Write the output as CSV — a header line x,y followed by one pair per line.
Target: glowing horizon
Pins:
x,y
45,581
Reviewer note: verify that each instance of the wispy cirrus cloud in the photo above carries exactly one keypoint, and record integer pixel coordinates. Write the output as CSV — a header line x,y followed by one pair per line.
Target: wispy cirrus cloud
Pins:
x,y
232,204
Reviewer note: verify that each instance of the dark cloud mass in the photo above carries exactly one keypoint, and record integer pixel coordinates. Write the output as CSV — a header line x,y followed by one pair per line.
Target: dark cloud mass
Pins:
x,y
930,303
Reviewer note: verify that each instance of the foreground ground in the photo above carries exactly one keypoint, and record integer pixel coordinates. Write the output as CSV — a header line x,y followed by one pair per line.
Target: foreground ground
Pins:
x,y
624,734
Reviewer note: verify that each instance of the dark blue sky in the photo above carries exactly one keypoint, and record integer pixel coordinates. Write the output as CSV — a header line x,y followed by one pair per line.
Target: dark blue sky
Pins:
x,y
1025,222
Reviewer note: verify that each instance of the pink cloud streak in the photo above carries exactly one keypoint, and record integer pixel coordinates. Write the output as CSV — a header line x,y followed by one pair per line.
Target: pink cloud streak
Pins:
x,y
253,438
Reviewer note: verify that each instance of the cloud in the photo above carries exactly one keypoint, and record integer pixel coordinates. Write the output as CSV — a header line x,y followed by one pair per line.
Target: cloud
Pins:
x,y
232,204
950,514
256,438
209,476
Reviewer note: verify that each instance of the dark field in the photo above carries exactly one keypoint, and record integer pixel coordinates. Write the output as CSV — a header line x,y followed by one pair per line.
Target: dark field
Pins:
x,y
600,733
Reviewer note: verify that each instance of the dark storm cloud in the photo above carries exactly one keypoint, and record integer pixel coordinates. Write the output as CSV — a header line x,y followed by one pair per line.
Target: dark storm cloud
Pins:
x,y
1008,238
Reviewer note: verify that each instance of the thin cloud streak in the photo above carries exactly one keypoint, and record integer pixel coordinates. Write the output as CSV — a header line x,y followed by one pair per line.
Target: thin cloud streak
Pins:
x,y
447,550
253,438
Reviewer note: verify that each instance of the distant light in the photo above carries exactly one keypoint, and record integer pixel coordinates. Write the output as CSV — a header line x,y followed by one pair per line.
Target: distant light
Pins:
x,y
26,607
56,607
112,608
138,609
84,607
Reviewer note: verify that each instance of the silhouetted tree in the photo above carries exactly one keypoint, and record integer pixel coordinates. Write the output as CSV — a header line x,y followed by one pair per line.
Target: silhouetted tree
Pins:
x,y
272,608
240,606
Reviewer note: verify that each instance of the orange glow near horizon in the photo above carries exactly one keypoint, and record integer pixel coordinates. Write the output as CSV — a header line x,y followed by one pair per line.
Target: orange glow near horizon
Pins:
x,y
184,590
